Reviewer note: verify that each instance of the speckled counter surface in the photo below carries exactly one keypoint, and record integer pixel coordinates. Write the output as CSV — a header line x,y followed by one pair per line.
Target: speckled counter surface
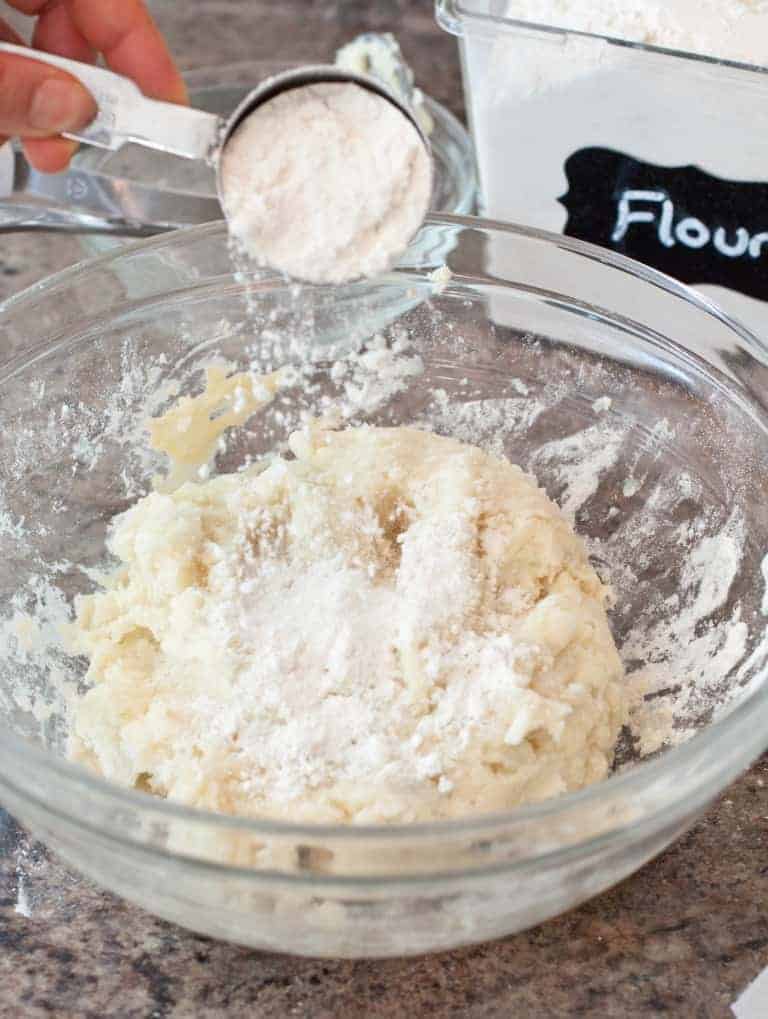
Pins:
x,y
684,937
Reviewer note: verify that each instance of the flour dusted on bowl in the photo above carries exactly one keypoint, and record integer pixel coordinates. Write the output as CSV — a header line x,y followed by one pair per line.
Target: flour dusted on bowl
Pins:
x,y
393,626
328,182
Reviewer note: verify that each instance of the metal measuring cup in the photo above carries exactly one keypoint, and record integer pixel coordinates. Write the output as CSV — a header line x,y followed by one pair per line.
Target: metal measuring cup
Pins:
x,y
125,115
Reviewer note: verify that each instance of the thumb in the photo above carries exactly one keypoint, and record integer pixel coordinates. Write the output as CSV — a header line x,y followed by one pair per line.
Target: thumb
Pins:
x,y
37,101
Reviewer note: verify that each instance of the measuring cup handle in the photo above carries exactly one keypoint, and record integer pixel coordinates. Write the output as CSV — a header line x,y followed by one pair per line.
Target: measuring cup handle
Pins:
x,y
125,115
79,202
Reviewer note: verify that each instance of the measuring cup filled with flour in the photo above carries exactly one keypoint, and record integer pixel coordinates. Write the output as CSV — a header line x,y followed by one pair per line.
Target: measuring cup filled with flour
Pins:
x,y
641,128
323,177
323,173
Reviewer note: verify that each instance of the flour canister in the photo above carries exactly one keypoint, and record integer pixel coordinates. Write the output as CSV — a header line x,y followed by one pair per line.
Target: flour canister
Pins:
x,y
659,155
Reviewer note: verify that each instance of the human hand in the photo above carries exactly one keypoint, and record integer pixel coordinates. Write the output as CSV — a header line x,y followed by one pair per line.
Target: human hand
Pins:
x,y
38,102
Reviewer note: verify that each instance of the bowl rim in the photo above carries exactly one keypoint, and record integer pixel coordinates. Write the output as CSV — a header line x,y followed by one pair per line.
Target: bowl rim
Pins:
x,y
745,726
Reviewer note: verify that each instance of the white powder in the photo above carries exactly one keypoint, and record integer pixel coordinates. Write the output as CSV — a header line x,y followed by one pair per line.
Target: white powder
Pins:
x,y
373,375
650,23
687,644
327,183
729,29
581,460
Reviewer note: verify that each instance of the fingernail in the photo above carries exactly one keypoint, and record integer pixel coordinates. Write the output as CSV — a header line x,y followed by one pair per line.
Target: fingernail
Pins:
x,y
60,106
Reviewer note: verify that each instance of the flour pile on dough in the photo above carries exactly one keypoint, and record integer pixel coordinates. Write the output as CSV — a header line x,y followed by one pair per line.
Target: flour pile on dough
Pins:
x,y
391,627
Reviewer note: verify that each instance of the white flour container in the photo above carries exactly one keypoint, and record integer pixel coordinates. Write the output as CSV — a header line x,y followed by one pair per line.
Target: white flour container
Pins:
x,y
658,155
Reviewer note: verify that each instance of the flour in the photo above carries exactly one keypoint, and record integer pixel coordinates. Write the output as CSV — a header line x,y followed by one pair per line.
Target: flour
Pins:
x,y
729,29
327,183
582,459
691,643
373,375
489,424
653,23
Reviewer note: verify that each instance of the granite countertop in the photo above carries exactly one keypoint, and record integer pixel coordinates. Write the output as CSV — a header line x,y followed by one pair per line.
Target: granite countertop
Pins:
x,y
683,937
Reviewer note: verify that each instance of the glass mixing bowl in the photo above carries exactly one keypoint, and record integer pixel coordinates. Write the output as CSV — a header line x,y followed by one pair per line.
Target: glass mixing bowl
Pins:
x,y
640,407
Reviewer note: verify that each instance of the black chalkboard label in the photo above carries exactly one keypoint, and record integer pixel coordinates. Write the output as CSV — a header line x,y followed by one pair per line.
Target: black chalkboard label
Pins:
x,y
687,223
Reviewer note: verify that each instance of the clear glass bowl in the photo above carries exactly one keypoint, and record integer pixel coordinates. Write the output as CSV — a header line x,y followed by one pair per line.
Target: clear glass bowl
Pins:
x,y
639,405
219,90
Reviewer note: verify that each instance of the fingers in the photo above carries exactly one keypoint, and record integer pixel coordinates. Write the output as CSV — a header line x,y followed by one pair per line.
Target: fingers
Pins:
x,y
37,101
131,43
56,32
29,6
7,34
49,155
123,30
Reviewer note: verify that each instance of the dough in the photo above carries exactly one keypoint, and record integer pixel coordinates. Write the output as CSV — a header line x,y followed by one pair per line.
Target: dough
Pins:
x,y
189,432
391,627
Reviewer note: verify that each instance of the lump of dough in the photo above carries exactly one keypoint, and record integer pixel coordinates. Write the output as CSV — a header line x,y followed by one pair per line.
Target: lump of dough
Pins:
x,y
391,627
